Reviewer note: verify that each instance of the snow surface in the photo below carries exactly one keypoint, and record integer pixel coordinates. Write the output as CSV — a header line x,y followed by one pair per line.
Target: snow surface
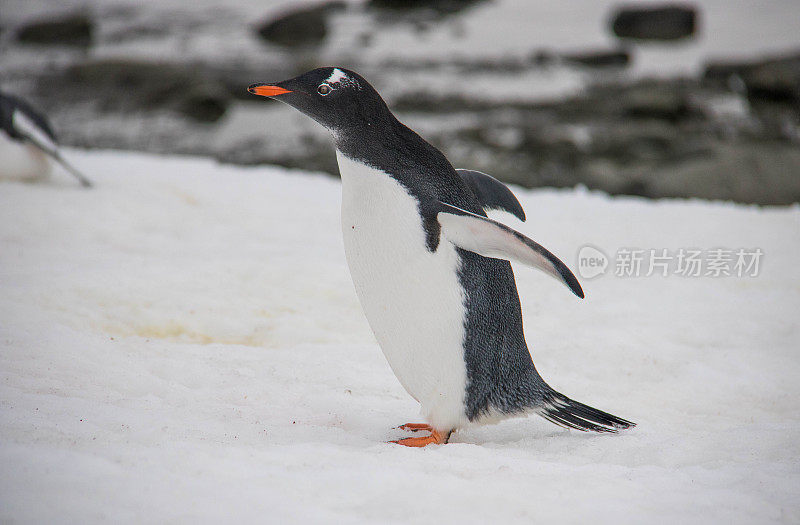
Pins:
x,y
182,344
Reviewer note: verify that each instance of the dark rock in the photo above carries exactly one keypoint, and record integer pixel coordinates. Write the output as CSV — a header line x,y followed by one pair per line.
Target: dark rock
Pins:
x,y
664,22
441,7
301,27
776,82
762,173
136,31
74,30
203,104
656,101
653,138
599,58
543,58
128,86
771,80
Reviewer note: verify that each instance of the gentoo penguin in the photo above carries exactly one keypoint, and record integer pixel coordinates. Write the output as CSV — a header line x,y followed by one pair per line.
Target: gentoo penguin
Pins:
x,y
27,142
430,269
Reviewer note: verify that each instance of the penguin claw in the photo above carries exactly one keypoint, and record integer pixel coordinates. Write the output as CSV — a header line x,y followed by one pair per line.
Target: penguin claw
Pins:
x,y
435,438
415,427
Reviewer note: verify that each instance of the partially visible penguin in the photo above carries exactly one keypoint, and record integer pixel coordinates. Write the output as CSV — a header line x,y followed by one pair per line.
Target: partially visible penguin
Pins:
x,y
27,143
430,269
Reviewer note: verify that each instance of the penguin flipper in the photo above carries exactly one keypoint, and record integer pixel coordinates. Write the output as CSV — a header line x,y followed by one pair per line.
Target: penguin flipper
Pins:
x,y
40,135
490,238
492,194
33,127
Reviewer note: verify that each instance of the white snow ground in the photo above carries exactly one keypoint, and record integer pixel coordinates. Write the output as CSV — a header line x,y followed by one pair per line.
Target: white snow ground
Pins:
x,y
182,344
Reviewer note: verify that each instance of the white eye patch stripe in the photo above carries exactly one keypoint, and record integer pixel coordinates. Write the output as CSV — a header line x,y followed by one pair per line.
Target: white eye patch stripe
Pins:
x,y
337,76
340,79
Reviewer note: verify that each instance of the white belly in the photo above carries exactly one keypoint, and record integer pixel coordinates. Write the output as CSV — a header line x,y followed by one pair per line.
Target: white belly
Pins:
x,y
20,161
411,297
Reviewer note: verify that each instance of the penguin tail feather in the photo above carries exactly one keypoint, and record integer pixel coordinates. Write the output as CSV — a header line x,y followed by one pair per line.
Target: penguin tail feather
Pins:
x,y
563,411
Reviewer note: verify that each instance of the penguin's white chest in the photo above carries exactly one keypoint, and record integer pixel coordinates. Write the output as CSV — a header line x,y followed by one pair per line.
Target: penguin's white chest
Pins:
x,y
412,297
21,161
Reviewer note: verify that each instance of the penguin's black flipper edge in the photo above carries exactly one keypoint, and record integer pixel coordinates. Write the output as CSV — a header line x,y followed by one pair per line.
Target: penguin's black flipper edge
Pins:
x,y
43,138
491,193
490,238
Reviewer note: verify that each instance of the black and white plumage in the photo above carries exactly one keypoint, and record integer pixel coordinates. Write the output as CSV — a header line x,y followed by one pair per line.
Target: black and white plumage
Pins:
x,y
27,142
492,194
431,269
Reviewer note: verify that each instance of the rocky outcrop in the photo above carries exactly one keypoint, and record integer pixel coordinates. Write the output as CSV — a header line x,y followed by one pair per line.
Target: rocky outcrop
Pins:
x,y
653,138
72,30
664,22
770,80
440,7
131,86
611,58
733,133
301,27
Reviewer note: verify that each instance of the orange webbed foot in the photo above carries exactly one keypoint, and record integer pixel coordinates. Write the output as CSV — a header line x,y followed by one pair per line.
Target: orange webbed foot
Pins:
x,y
435,438
415,427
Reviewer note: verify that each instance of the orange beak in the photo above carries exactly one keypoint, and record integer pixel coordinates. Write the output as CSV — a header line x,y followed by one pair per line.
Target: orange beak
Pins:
x,y
266,90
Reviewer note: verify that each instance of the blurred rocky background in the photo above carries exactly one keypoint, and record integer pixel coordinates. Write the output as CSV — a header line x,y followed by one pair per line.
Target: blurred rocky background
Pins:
x,y
654,99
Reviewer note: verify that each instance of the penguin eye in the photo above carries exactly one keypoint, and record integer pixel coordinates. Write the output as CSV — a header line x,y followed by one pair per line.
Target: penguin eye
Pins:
x,y
323,89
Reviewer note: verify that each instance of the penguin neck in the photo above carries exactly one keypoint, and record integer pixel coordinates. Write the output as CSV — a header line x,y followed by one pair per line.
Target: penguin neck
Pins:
x,y
388,145
380,126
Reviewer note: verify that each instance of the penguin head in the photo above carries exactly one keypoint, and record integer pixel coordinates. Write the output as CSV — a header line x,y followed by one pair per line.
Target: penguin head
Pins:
x,y
337,98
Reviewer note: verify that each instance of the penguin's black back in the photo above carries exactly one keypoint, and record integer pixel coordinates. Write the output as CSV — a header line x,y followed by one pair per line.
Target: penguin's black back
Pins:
x,y
500,373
